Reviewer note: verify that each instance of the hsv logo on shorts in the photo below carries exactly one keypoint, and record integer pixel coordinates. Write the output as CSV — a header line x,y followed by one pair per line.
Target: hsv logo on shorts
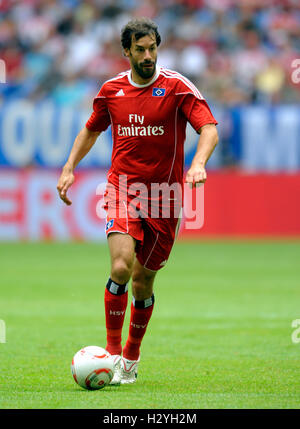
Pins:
x,y
158,92
109,224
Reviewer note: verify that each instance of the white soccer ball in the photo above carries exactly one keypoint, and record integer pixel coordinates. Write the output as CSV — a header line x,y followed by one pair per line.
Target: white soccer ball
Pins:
x,y
92,367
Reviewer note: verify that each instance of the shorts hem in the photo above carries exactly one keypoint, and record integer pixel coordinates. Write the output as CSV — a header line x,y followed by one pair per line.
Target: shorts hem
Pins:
x,y
144,265
123,232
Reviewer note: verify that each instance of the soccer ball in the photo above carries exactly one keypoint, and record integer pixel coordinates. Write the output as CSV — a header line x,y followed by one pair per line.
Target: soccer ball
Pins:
x,y
92,368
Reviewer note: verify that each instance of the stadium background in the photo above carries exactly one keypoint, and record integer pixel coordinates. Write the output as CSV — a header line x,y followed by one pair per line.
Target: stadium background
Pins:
x,y
230,345
239,54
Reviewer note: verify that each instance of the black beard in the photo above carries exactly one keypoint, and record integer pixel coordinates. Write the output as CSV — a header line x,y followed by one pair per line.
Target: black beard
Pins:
x,y
144,73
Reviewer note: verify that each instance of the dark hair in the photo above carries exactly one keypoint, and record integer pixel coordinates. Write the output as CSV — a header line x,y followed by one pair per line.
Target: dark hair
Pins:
x,y
138,27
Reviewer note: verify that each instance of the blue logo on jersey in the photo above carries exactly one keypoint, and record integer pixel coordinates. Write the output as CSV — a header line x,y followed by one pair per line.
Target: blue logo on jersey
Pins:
x,y
109,224
158,92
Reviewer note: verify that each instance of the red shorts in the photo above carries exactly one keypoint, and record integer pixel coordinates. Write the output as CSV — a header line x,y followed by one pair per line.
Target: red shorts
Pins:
x,y
155,236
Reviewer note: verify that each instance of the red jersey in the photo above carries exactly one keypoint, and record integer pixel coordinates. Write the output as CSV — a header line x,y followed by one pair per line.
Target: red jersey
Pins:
x,y
148,124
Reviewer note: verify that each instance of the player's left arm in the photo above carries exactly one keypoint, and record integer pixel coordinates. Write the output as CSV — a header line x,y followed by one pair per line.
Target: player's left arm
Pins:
x,y
208,140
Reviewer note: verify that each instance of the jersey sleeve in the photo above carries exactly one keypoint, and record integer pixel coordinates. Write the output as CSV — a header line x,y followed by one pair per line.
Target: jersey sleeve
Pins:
x,y
100,118
197,111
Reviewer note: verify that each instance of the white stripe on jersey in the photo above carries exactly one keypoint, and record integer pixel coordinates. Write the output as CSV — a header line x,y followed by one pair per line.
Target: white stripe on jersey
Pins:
x,y
182,93
183,79
119,76
175,145
192,88
170,74
193,91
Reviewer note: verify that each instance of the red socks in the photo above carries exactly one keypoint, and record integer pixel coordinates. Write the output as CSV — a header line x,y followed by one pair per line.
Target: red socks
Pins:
x,y
141,312
115,302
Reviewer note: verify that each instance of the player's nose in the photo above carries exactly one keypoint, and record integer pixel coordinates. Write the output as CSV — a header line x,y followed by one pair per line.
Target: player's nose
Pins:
x,y
147,55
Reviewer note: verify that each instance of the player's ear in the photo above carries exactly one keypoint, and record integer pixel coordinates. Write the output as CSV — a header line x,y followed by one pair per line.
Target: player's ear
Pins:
x,y
126,52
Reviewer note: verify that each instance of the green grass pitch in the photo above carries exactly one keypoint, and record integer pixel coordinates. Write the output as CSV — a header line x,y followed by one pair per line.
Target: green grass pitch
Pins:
x,y
220,335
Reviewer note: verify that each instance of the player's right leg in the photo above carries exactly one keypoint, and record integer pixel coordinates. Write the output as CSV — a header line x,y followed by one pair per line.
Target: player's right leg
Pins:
x,y
140,314
123,232
122,254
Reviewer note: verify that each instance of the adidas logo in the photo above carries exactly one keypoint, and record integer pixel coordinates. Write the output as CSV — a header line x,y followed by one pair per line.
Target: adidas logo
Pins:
x,y
121,92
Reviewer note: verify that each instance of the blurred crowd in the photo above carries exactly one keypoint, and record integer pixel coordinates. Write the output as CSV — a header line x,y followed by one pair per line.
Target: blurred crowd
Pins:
x,y
234,51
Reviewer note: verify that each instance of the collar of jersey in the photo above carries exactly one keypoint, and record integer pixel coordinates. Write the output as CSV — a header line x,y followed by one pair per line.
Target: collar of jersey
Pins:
x,y
157,72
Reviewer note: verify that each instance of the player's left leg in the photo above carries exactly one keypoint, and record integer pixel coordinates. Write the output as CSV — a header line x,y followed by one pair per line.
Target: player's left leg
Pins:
x,y
141,311
152,255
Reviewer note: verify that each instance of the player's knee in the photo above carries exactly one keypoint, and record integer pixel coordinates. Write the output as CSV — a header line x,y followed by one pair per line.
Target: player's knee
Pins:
x,y
141,278
121,270
141,291
142,285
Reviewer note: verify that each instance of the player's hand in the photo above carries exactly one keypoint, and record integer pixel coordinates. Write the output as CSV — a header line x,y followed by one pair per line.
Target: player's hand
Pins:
x,y
195,175
65,181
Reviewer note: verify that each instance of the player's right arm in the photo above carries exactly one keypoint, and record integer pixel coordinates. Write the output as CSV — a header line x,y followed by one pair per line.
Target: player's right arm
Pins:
x,y
82,145
98,122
